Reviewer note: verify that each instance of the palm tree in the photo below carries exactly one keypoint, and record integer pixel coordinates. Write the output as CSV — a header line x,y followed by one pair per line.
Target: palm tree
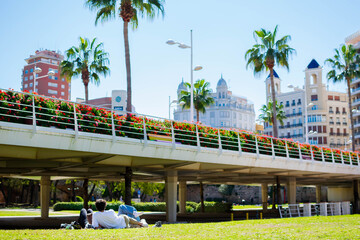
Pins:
x,y
88,60
128,11
345,64
265,54
267,113
202,97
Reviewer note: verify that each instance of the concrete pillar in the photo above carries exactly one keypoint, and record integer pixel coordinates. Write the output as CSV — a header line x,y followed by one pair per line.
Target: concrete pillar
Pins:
x,y
318,193
182,196
356,206
171,195
45,196
292,190
264,196
307,210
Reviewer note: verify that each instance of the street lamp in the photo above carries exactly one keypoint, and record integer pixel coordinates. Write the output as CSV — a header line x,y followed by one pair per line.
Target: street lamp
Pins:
x,y
348,142
306,112
197,68
172,102
38,70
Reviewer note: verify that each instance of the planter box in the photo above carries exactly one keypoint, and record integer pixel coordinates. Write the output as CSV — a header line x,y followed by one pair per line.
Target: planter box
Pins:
x,y
159,137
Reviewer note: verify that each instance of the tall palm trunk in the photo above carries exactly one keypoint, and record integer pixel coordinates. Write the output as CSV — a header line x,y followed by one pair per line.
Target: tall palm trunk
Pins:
x,y
197,116
351,117
127,63
85,79
274,121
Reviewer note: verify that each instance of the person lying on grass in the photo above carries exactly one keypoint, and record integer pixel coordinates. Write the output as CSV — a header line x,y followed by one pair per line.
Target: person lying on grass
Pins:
x,y
107,218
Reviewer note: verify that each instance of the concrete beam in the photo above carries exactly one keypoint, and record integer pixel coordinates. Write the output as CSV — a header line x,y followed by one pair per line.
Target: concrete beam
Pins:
x,y
171,195
182,196
45,196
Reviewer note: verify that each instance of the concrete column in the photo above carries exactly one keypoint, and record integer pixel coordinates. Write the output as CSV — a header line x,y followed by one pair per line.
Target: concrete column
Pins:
x,y
292,190
264,196
307,210
318,193
356,206
45,196
182,196
171,195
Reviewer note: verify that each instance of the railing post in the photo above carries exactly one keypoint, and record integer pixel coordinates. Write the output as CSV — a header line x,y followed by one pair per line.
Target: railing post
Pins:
x,y
287,149
257,147
197,137
358,159
322,154
239,144
76,122
312,153
342,158
219,138
145,134
300,154
172,135
113,125
272,148
34,114
350,159
332,155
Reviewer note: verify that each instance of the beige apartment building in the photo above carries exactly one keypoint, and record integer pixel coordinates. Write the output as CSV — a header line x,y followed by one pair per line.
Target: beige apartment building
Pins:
x,y
354,39
314,114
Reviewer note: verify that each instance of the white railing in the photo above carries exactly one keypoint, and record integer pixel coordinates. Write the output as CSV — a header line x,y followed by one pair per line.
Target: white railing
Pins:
x,y
75,118
314,209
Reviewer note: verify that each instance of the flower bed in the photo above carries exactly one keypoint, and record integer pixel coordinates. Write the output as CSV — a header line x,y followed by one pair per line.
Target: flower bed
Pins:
x,y
17,107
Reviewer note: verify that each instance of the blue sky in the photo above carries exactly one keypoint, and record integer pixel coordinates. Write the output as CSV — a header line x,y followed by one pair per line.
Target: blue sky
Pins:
x,y
222,33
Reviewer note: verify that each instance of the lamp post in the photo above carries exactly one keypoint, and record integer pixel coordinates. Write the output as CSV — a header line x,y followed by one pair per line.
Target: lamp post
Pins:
x,y
197,68
305,111
170,103
38,70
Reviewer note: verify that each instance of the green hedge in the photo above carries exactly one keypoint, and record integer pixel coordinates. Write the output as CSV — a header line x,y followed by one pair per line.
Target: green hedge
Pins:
x,y
148,206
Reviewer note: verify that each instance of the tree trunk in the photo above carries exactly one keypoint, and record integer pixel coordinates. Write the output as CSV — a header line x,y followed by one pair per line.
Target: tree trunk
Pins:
x,y
109,187
3,192
197,116
86,193
278,188
92,190
273,196
202,197
351,117
54,193
127,64
273,97
86,85
31,192
73,195
128,176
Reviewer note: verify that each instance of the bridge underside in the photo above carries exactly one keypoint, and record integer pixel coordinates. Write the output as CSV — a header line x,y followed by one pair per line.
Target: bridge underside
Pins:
x,y
29,162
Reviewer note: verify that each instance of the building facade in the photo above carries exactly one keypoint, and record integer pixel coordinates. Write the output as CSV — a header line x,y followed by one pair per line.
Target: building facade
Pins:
x,y
326,117
52,86
354,39
228,111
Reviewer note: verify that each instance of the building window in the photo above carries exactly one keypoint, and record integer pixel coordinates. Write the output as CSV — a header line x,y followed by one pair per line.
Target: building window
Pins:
x,y
31,70
315,107
337,98
26,71
31,77
62,94
56,78
25,85
52,91
299,110
50,84
31,84
63,79
26,78
314,97
330,97
62,86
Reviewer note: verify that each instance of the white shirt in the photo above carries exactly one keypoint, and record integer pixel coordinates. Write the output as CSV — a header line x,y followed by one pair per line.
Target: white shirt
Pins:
x,y
108,219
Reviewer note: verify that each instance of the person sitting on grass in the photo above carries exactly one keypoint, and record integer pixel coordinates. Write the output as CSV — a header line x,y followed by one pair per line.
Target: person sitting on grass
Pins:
x,y
108,218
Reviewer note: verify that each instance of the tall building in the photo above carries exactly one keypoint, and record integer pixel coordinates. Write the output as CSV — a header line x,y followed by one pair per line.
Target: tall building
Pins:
x,y
327,114
228,111
50,86
354,39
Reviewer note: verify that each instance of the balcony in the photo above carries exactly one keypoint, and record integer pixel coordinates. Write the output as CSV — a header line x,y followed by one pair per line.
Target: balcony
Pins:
x,y
338,123
291,125
298,103
356,102
331,111
293,104
355,91
337,112
294,114
344,123
331,122
287,105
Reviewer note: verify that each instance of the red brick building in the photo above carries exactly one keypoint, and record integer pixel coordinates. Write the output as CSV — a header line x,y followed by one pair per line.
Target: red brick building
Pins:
x,y
52,86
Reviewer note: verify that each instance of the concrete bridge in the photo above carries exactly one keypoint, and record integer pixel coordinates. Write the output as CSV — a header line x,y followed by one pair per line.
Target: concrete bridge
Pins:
x,y
30,150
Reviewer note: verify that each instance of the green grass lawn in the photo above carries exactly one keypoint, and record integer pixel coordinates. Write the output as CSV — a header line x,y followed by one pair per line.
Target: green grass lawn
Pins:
x,y
336,227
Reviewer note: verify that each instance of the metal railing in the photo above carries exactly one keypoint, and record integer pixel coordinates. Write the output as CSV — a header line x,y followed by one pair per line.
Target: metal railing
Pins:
x,y
51,114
